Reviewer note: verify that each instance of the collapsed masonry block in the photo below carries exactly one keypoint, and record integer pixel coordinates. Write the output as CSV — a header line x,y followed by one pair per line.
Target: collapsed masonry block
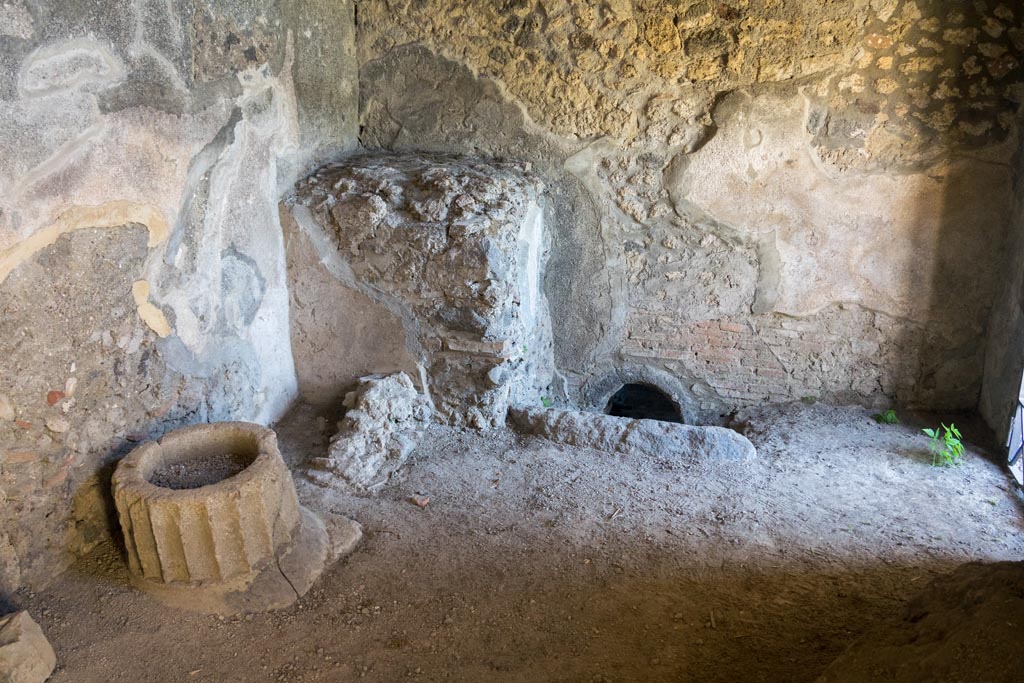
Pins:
x,y
25,654
212,522
651,438
379,430
455,248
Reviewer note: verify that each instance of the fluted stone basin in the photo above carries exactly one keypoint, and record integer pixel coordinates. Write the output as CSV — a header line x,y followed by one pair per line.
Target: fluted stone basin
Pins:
x,y
212,522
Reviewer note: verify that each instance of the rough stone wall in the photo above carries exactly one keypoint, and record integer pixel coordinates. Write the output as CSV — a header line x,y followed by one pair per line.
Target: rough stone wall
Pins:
x,y
448,254
143,149
751,200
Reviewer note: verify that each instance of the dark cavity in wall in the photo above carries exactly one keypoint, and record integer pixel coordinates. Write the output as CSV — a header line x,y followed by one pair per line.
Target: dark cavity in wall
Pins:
x,y
644,402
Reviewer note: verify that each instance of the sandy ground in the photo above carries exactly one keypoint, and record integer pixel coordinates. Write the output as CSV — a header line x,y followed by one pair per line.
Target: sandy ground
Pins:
x,y
540,562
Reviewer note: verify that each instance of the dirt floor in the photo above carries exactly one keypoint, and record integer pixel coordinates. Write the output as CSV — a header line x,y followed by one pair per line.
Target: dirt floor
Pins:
x,y
540,562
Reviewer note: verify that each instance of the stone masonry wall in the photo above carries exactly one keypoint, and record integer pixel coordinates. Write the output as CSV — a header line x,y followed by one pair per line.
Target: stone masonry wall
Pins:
x,y
143,149
750,200
445,258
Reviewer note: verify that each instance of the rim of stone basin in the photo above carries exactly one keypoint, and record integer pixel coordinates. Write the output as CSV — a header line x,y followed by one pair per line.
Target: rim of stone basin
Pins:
x,y
196,442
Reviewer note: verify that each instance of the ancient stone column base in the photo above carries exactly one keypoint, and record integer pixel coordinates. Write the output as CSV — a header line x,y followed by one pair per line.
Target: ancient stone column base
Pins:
x,y
274,586
216,542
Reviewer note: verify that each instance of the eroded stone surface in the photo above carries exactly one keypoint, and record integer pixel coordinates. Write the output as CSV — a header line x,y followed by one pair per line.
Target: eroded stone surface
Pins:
x,y
894,78
651,438
25,654
454,247
377,434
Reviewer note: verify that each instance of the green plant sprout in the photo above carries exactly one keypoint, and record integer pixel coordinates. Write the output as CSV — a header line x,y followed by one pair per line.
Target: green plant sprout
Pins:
x,y
546,402
886,418
946,445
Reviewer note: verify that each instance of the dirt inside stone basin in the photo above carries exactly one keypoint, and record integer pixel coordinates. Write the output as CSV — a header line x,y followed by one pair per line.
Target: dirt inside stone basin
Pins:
x,y
199,472
541,562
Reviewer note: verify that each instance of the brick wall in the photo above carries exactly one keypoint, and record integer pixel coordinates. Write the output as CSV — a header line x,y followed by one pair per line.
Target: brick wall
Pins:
x,y
844,354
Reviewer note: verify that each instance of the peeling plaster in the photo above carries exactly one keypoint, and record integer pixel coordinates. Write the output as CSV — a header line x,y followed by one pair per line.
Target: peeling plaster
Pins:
x,y
109,215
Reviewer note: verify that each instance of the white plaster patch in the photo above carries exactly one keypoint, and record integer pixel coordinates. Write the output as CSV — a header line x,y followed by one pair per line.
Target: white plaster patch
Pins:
x,y
246,222
69,65
531,244
881,241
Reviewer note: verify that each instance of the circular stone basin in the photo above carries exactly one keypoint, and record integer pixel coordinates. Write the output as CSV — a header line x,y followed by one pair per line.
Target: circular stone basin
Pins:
x,y
211,520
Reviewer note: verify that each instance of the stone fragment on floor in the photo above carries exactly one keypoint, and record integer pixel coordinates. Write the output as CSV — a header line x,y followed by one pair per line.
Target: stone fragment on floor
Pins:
x,y
377,434
25,654
621,434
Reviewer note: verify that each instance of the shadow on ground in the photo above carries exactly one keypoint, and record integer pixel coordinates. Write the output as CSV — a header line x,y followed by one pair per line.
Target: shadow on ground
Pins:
x,y
382,616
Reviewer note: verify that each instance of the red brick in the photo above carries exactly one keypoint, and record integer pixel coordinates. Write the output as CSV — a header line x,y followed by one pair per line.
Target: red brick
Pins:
x,y
56,479
720,355
20,457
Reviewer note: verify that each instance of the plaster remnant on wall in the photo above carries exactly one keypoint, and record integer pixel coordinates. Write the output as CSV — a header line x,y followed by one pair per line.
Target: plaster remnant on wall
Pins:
x,y
876,240
155,319
110,215
140,292
105,130
7,413
69,65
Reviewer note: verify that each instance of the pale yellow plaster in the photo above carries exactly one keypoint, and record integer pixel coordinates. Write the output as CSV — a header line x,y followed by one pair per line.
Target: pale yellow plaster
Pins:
x,y
109,215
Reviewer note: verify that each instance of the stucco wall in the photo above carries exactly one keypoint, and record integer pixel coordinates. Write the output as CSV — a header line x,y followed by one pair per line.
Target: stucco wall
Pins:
x,y
143,148
751,200
1004,352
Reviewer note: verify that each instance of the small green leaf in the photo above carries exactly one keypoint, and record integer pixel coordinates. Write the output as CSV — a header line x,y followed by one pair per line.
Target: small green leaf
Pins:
x,y
929,432
888,417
